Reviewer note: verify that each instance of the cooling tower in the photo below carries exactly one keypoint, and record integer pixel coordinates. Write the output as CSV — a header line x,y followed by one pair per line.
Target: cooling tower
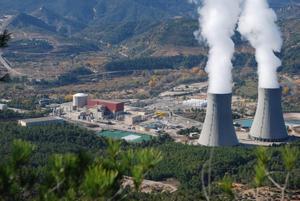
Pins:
x,y
268,124
218,127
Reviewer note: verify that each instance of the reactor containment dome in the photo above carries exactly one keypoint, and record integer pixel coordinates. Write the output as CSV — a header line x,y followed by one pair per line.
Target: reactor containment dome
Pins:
x,y
80,100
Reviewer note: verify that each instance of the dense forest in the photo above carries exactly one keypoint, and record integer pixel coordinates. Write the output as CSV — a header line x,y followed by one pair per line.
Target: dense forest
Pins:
x,y
172,62
152,63
9,115
73,176
181,162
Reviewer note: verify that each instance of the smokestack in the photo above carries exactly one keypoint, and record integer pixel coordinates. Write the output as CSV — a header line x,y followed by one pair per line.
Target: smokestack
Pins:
x,y
218,127
268,124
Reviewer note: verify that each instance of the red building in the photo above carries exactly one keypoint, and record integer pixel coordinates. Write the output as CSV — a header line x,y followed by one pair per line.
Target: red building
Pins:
x,y
111,106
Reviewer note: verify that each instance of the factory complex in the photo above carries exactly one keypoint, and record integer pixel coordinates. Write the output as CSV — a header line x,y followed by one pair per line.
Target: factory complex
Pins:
x,y
268,124
94,109
132,119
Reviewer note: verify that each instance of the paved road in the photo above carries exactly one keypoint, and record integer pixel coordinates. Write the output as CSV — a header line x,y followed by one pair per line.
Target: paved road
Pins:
x,y
7,66
4,62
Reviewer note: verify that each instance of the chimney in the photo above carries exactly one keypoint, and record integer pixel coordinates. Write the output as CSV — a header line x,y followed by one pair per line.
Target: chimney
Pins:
x,y
218,127
268,124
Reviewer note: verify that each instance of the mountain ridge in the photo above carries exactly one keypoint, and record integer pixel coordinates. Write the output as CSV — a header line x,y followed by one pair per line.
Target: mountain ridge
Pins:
x,y
117,29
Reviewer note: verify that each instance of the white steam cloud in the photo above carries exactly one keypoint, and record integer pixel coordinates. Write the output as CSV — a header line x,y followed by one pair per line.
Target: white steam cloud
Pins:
x,y
218,19
258,25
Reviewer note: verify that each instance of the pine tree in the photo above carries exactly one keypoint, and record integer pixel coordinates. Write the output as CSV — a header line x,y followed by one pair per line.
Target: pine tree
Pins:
x,y
4,39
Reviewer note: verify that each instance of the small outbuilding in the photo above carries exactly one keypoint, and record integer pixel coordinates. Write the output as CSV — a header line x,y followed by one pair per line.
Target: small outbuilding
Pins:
x,y
132,119
43,121
3,107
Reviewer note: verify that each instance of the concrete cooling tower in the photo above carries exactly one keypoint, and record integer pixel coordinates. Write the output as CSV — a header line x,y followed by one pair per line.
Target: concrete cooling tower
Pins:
x,y
268,124
218,127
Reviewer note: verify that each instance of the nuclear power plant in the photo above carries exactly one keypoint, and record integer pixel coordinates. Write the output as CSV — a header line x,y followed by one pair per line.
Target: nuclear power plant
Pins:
x,y
218,127
268,124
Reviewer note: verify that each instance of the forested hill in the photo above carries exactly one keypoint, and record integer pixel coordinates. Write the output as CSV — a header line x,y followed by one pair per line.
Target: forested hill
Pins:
x,y
85,17
103,11
69,6
91,12
111,21
119,29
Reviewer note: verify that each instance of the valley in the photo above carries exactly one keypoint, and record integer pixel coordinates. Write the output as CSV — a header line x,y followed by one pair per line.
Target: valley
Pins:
x,y
92,89
60,52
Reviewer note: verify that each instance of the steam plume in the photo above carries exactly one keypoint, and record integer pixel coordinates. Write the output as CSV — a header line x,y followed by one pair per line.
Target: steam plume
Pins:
x,y
218,19
258,25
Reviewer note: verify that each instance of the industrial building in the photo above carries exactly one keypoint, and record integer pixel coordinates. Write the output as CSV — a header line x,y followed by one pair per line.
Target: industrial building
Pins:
x,y
218,127
132,119
80,100
112,108
268,124
99,112
43,121
44,102
3,107
195,103
88,109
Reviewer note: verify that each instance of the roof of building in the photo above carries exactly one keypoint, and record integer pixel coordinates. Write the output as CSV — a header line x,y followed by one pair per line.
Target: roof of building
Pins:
x,y
107,101
42,119
81,95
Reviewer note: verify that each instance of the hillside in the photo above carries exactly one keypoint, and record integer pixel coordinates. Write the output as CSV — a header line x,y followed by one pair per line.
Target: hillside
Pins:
x,y
58,35
62,25
290,12
175,37
103,11
112,21
144,54
28,22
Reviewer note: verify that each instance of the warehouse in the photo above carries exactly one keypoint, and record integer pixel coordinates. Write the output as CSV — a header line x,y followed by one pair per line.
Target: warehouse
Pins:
x,y
112,107
43,121
132,119
195,103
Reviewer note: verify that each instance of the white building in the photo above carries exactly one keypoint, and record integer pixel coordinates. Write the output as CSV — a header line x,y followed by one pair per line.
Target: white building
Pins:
x,y
3,107
195,103
43,121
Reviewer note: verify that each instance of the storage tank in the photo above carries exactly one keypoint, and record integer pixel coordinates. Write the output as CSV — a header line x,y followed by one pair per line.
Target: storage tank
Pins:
x,y
268,124
218,127
80,100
